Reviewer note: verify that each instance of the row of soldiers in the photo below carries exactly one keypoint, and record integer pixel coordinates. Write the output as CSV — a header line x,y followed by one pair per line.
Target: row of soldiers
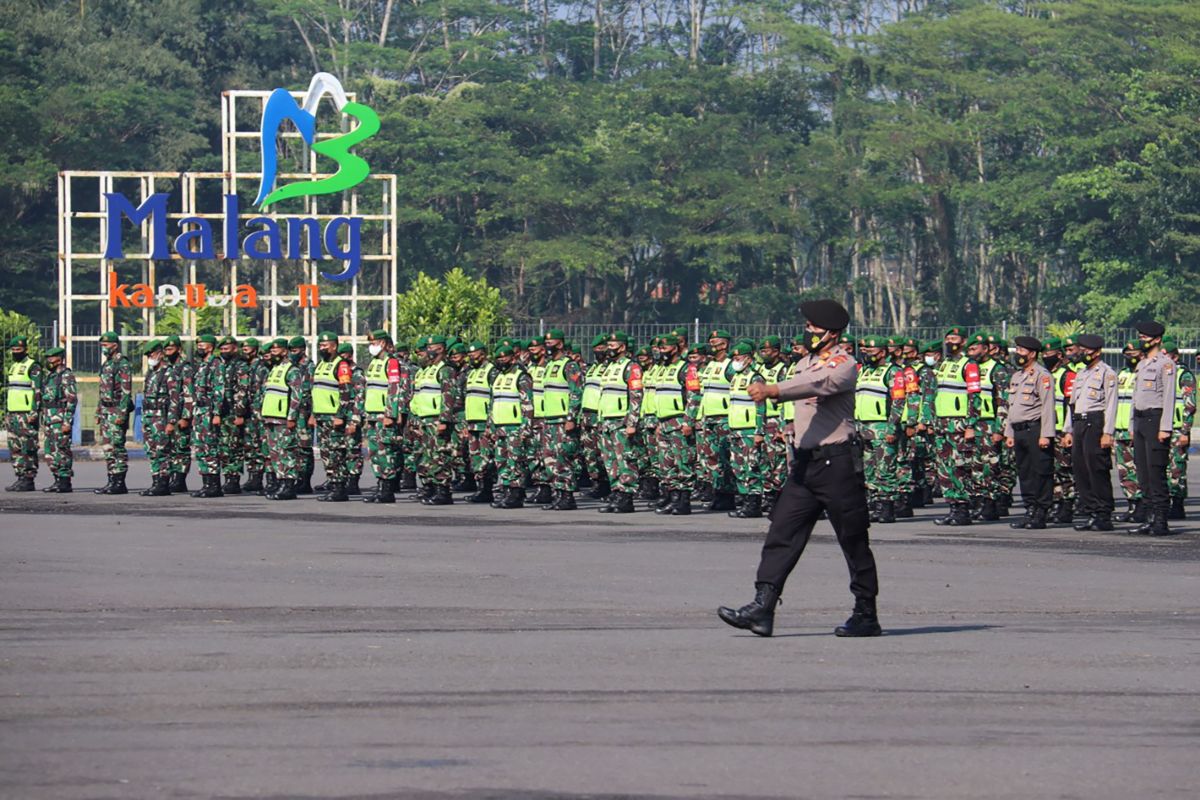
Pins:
x,y
668,422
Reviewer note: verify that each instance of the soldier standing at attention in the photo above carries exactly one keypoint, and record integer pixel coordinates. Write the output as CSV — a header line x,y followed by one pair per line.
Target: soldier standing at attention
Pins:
x,y
383,414
283,412
1123,438
562,393
589,440
1006,474
254,445
21,402
774,468
511,418
1030,432
298,345
1064,478
956,405
924,446
1184,415
233,411
677,403
1090,427
747,430
879,397
649,479
208,392
113,407
989,435
162,402
433,405
476,388
1153,406
58,400
712,439
827,475
620,411
181,443
334,414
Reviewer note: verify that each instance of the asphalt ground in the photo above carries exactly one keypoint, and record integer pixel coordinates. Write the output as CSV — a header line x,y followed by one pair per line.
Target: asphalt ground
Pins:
x,y
177,647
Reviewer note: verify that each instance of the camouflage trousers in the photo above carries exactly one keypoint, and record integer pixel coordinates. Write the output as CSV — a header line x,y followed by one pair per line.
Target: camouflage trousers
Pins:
x,y
537,467
556,449
23,442
510,448
478,441
284,459
775,467
589,447
712,455
158,442
1064,474
233,447
647,465
922,466
409,445
206,441
676,455
335,449
381,445
745,460
181,447
1006,472
1177,462
987,466
904,466
1126,468
954,458
436,455
308,459
111,431
254,445
619,451
57,449
881,460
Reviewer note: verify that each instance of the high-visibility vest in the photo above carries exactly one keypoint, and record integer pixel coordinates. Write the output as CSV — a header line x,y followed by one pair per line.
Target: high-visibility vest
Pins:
x,y
591,387
478,401
276,392
950,398
668,395
987,397
1126,381
714,400
771,374
1060,399
506,398
538,373
871,394
650,378
743,411
614,395
556,392
377,385
326,394
20,385
427,392
1180,406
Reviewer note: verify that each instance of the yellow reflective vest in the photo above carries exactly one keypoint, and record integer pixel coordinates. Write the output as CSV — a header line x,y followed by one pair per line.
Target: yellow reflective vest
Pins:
x,y
326,394
276,392
20,392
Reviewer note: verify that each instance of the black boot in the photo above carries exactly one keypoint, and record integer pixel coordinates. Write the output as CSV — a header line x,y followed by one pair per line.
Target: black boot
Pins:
x,y
253,484
1064,514
468,484
565,502
622,503
960,514
722,501
270,486
1023,522
904,507
609,503
286,490
485,493
322,488
585,480
407,481
513,498
542,496
105,489
178,483
667,502
1102,521
352,486
1176,511
927,495
1132,512
115,485
25,484
917,497
60,486
872,511
233,484
647,489
441,496
302,486
158,487
383,493
1158,524
683,504
1086,525
751,507
601,490
887,511
863,620
336,494
703,492
988,511
1038,520
211,487
757,616
12,487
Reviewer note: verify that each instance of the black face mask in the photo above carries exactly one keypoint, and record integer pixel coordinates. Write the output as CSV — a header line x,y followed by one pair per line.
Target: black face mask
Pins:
x,y
1131,362
953,349
1147,346
1020,360
1051,362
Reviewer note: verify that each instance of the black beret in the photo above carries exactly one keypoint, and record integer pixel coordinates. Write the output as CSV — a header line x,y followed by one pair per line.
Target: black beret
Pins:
x,y
1151,329
827,314
1029,343
1090,341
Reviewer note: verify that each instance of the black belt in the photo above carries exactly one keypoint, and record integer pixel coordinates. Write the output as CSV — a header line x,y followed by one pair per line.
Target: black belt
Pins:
x,y
1024,426
1147,413
827,450
1084,417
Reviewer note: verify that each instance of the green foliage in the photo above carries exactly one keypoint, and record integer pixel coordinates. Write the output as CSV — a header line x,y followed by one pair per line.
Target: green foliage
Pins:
x,y
457,304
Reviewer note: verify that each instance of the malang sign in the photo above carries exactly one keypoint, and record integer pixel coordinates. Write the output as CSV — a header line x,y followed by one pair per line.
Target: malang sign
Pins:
x,y
263,237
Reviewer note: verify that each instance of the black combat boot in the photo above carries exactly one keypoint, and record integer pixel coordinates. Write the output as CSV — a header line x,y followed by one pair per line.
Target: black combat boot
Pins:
x,y
24,484
887,511
565,502
12,487
647,489
703,492
722,501
904,507
1176,511
408,481
441,496
769,501
1064,514
211,487
322,488
1131,512
1086,525
513,498
601,490
863,620
988,512
467,484
336,494
1102,521
1158,524
485,493
872,511
584,480
286,490
683,504
115,485
751,507
757,616
158,487
383,493
623,503
178,484
302,486
542,496
105,489
352,486
1038,522
233,484
959,514
927,495
60,486
666,502
270,486
253,484
1023,522
917,497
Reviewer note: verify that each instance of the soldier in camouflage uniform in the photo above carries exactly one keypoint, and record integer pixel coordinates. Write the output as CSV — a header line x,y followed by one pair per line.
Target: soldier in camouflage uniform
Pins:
x,y
181,441
562,395
162,403
712,438
284,410
475,387
647,468
1181,435
511,425
308,463
620,410
254,433
902,350
956,404
589,438
24,376
987,493
879,403
747,430
343,424
677,406
384,409
113,408
409,438
208,394
58,400
234,411
434,404
924,445
1064,474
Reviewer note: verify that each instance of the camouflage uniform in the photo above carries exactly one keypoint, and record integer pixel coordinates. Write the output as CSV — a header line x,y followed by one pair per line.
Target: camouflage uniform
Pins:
x,y
335,441
1123,439
746,444
384,400
59,398
475,387
676,450
712,438
112,411
254,436
162,403
284,455
556,446
589,435
511,441
23,425
1184,415
208,395
774,454
1064,474
880,392
957,396
616,446
181,440
235,404
437,449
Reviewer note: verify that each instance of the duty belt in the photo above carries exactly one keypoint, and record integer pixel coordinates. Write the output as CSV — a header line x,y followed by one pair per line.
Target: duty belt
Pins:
x,y
1026,425
1085,416
1147,413
827,450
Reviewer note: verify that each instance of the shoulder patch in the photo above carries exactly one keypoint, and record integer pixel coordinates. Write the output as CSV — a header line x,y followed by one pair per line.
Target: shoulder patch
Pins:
x,y
1046,382
836,361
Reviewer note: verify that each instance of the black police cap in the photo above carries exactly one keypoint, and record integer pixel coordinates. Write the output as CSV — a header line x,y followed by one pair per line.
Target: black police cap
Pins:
x,y
827,314
1090,341
1029,343
1151,329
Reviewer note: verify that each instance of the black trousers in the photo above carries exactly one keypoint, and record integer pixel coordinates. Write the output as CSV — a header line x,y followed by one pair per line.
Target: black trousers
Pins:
x,y
835,485
1035,466
1151,456
1091,465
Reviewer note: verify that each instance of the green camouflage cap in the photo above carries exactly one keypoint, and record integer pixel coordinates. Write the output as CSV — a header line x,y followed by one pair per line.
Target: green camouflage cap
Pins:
x,y
932,346
250,341
111,337
297,341
1053,343
207,338
698,349
327,336
436,339
770,341
149,348
873,341
981,337
55,351
682,333
742,349
619,336
846,339
536,341
1169,344
345,348
456,348
645,351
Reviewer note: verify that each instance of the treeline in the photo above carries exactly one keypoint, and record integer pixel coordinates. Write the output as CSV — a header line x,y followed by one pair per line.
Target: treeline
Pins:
x,y
641,160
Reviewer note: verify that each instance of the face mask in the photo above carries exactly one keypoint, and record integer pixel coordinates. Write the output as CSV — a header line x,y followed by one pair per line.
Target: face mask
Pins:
x,y
739,366
154,362
815,341
1131,362
19,356
1020,360
1051,362
931,360
953,349
295,357
375,349
1146,346
1092,358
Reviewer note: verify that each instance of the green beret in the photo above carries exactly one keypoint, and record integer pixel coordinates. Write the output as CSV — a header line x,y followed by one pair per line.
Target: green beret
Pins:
x,y
380,333
504,350
1053,343
229,340
1070,339
556,333
800,338
720,333
207,338
698,349
436,339
1169,344
297,341
872,341
619,336
476,346
327,336
682,333
344,348
1132,346
742,349
645,351
575,348
18,341
978,338
534,342
250,341
279,341
955,330
844,339
932,346
173,340
111,337
150,347
456,348
453,340
600,340
422,342
55,351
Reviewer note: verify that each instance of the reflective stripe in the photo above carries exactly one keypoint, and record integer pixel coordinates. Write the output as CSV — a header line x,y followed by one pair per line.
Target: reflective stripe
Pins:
x,y
987,397
591,388
714,401
1180,405
326,394
950,398
743,411
556,392
1060,401
614,394
538,373
668,395
1126,381
478,399
20,386
871,394
650,391
377,385
506,399
771,374
276,393
427,392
